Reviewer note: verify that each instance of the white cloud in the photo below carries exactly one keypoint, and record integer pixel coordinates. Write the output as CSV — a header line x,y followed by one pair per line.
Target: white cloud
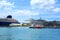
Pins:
x,y
56,10
6,8
43,3
26,12
5,4
16,12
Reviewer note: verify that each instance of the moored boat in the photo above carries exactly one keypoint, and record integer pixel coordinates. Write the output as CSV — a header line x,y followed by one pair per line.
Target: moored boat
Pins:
x,y
37,26
7,21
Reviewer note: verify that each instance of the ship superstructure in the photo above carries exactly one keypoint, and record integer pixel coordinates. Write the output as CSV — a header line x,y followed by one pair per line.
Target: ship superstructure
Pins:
x,y
7,21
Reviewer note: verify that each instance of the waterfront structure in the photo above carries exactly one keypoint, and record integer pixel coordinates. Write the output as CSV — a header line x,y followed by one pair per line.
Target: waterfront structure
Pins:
x,y
37,23
15,25
54,24
26,24
57,23
7,21
43,23
51,24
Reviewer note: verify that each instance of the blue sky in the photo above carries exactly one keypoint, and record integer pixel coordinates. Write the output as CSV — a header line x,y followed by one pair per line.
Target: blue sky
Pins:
x,y
26,9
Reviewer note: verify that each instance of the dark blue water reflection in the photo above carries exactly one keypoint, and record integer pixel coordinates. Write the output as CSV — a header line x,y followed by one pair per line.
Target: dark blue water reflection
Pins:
x,y
25,33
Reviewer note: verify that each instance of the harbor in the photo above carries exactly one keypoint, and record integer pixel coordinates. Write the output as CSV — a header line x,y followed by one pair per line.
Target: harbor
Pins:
x,y
32,23
29,19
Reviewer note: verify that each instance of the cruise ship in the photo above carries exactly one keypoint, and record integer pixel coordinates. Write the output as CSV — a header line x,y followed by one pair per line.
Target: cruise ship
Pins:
x,y
7,21
37,23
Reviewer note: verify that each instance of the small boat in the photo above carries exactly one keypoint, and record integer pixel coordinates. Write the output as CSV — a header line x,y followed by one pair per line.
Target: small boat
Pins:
x,y
37,26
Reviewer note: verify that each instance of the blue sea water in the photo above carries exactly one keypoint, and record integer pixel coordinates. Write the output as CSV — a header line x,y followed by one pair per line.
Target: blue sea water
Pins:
x,y
26,33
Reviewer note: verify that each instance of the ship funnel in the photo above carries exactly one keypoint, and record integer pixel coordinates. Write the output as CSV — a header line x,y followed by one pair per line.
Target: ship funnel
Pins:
x,y
9,16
